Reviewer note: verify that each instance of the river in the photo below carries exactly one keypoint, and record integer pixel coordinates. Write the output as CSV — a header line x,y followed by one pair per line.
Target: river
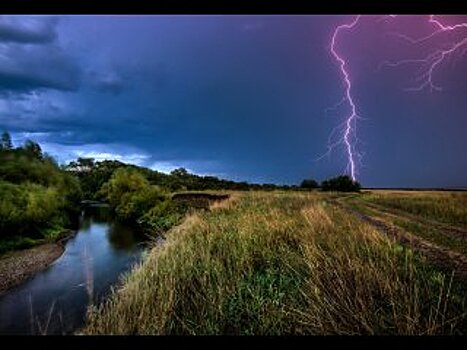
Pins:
x,y
55,300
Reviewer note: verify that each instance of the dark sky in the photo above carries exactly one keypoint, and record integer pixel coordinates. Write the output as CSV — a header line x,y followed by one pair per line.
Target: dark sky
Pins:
x,y
239,97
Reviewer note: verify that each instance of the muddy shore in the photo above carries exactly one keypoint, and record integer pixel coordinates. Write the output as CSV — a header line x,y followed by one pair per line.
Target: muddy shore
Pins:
x,y
18,266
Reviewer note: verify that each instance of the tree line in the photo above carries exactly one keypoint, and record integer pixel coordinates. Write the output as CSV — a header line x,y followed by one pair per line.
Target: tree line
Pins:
x,y
93,174
343,183
40,199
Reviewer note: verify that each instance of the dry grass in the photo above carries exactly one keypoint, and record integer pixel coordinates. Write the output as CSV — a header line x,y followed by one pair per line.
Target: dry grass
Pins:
x,y
280,263
445,207
225,204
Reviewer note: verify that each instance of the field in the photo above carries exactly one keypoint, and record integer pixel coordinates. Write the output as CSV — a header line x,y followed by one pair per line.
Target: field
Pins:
x,y
259,263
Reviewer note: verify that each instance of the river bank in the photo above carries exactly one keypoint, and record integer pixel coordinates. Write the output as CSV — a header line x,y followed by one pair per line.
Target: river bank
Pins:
x,y
80,272
18,266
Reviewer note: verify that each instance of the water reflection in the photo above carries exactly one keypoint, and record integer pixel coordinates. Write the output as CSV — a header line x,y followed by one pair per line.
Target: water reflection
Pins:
x,y
58,297
98,213
121,237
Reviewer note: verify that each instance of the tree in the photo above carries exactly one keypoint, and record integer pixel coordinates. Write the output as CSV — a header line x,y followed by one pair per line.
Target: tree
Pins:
x,y
81,165
6,143
87,163
179,172
33,148
36,196
342,183
131,194
309,183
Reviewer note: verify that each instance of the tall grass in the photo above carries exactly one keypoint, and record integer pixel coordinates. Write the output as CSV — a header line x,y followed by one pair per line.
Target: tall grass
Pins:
x,y
279,263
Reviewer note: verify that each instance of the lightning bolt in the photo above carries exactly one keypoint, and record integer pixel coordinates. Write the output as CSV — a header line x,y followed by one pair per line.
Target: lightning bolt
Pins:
x,y
349,135
432,61
427,68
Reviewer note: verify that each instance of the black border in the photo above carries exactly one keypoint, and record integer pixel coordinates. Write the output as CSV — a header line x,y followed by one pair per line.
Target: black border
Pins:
x,y
245,342
202,7
233,7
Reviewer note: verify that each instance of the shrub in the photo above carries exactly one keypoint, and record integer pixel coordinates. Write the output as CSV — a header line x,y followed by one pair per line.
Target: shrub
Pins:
x,y
342,184
163,216
28,208
309,183
130,194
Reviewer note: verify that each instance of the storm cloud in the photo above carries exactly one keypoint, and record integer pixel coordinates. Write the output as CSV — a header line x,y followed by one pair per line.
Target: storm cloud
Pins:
x,y
242,97
30,57
32,30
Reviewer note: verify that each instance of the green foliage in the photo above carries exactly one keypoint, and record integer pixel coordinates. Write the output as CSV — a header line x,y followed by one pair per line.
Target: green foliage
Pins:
x,y
27,208
309,184
18,242
92,175
20,165
162,216
180,172
5,142
14,201
38,199
130,194
33,149
261,293
341,183
135,200
181,180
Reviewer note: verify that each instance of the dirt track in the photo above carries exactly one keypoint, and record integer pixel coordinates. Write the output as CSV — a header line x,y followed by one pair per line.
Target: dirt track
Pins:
x,y
445,258
441,227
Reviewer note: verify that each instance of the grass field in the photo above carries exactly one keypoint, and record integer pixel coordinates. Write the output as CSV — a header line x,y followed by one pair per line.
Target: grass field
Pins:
x,y
446,207
436,217
282,263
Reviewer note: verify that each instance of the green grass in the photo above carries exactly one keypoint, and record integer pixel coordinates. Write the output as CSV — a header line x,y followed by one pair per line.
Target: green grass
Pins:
x,y
424,231
445,207
51,233
55,229
17,243
433,235
280,263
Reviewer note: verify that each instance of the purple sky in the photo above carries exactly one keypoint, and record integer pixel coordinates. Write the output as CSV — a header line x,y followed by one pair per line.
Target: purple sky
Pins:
x,y
240,97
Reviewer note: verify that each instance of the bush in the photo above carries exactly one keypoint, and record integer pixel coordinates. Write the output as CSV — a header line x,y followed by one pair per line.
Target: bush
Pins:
x,y
163,216
130,194
37,197
342,184
309,184
28,208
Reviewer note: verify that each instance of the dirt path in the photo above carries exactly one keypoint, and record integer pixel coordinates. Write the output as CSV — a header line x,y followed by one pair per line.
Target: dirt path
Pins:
x,y
444,229
440,256
18,266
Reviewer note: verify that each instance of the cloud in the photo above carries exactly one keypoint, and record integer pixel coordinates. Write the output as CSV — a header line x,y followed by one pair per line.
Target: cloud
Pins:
x,y
24,68
33,30
64,153
31,58
132,158
108,82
